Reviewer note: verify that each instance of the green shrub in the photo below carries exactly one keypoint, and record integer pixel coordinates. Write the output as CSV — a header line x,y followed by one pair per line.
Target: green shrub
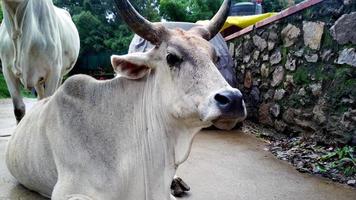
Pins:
x,y
4,92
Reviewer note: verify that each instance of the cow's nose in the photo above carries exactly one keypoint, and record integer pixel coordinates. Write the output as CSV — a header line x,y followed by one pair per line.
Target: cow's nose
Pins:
x,y
230,103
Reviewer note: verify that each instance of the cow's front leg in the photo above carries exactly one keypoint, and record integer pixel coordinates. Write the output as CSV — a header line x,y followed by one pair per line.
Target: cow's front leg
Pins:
x,y
52,82
40,91
179,187
13,85
67,191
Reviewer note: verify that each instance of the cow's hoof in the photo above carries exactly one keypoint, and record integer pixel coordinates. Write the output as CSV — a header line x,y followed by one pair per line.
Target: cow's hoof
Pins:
x,y
179,187
19,113
183,184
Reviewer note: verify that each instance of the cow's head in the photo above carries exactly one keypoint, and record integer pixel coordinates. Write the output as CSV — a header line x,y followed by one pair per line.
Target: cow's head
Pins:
x,y
184,63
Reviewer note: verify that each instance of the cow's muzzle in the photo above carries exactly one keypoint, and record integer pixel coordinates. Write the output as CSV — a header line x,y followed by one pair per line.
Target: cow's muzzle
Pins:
x,y
230,104
223,109
232,109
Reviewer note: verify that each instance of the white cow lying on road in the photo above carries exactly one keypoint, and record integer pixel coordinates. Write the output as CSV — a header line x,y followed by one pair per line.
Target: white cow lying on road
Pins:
x,y
122,139
39,44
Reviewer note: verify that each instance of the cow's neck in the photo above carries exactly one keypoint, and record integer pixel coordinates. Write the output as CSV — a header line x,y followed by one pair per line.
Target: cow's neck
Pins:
x,y
27,22
14,15
161,134
159,120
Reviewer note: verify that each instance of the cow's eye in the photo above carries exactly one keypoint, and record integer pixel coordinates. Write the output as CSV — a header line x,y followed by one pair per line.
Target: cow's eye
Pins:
x,y
173,60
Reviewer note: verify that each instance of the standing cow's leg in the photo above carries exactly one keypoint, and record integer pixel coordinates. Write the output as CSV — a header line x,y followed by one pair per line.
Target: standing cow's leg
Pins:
x,y
52,82
13,85
60,81
40,91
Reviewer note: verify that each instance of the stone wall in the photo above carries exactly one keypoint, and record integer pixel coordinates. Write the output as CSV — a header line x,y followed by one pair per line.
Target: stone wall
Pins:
x,y
298,74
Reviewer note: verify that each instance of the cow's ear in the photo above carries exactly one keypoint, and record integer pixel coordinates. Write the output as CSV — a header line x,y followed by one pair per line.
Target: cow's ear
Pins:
x,y
131,66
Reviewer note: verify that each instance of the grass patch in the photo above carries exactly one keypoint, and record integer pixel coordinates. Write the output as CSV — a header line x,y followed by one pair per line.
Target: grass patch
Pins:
x,y
4,92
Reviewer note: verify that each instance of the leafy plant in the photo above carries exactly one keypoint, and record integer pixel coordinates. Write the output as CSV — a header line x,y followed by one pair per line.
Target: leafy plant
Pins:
x,y
274,5
342,85
343,160
188,11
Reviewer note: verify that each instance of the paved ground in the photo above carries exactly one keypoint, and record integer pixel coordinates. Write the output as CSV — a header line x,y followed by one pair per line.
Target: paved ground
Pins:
x,y
222,166
7,117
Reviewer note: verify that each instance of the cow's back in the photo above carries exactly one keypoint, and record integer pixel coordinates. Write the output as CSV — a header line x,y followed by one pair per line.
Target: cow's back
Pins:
x,y
89,128
30,141
30,152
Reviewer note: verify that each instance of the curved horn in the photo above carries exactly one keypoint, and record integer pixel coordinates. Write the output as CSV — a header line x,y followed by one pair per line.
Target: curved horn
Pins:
x,y
216,23
139,24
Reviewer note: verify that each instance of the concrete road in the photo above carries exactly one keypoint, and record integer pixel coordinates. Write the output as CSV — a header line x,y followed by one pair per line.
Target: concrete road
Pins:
x,y
222,166
7,117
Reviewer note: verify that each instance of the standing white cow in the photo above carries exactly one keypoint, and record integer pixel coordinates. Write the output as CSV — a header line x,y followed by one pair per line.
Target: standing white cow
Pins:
x,y
122,139
39,44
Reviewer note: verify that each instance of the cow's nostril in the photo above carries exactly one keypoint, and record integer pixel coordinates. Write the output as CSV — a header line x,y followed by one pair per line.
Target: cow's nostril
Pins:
x,y
221,99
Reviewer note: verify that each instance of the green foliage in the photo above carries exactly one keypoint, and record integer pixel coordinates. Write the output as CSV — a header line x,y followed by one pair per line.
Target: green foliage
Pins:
x,y
26,93
284,53
342,159
4,92
293,101
308,13
1,16
271,5
274,5
90,29
150,10
301,76
173,10
328,41
120,40
101,29
188,11
342,85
